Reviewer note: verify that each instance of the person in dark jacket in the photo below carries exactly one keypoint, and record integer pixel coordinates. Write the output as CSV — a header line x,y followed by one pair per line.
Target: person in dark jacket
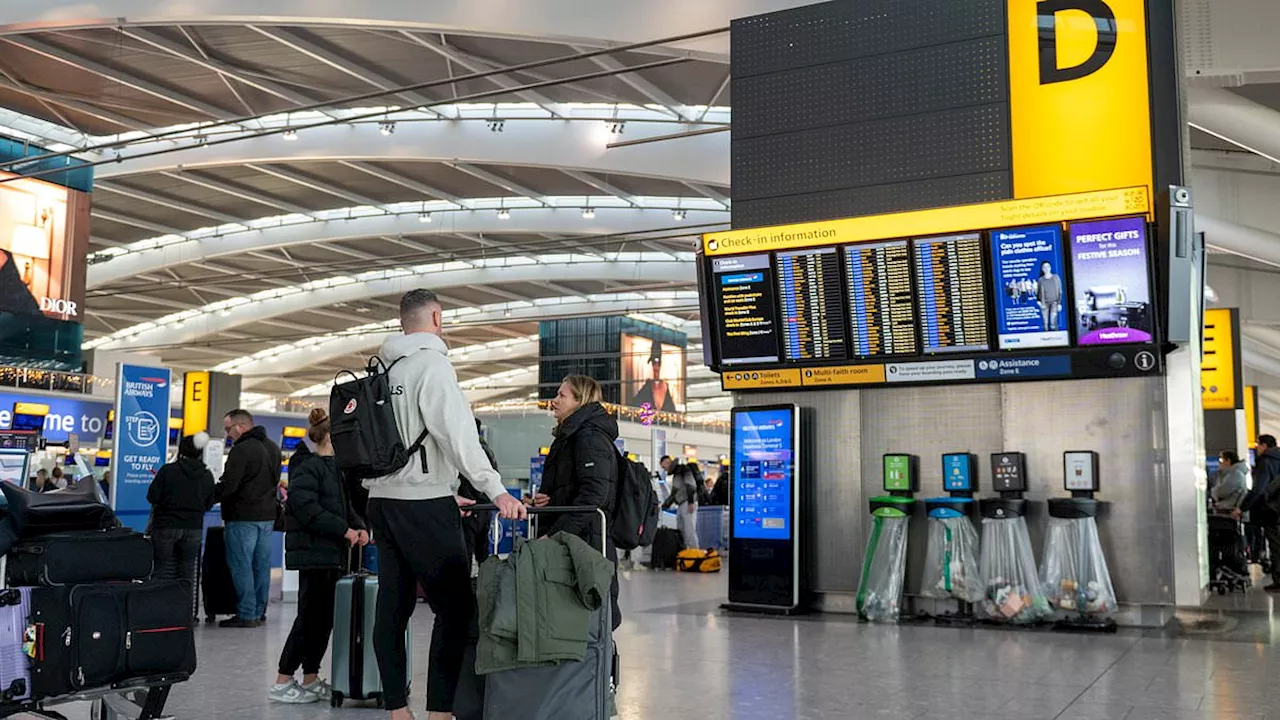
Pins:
x,y
248,493
1263,503
181,493
582,467
475,526
320,531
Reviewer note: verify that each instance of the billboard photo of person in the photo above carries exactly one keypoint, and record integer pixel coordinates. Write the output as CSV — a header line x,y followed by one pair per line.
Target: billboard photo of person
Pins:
x,y
656,391
1049,297
653,373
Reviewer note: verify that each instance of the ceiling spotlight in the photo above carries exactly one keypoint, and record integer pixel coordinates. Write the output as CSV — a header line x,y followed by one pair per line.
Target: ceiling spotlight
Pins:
x,y
507,313
202,140
289,134
616,127
679,214
387,128
588,214
497,126
424,218
504,214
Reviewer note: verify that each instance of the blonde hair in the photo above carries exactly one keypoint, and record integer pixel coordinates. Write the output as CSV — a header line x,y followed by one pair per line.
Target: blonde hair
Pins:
x,y
585,389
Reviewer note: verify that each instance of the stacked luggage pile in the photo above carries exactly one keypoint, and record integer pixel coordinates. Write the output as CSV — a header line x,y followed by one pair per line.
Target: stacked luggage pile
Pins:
x,y
80,618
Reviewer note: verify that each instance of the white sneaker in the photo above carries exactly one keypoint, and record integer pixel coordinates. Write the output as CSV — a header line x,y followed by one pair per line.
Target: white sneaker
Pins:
x,y
320,688
291,693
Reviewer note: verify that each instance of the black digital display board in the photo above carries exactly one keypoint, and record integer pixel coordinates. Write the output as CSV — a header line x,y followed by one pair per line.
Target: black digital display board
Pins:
x,y
812,306
882,312
748,318
952,298
764,519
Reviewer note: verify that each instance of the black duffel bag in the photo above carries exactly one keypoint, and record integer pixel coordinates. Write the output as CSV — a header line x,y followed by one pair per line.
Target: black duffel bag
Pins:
x,y
75,507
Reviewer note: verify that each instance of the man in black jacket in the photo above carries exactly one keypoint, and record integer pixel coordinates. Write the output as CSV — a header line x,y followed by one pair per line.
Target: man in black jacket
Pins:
x,y
248,494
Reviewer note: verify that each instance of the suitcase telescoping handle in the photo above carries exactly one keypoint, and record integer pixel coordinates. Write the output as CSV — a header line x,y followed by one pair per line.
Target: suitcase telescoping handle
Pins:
x,y
557,510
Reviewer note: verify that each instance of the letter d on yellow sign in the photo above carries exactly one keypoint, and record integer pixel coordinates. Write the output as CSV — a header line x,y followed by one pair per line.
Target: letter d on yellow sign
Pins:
x,y
1079,97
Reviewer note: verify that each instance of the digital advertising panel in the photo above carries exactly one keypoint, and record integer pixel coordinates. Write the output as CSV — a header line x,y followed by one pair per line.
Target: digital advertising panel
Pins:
x,y
1030,288
142,400
1110,280
44,238
653,373
764,507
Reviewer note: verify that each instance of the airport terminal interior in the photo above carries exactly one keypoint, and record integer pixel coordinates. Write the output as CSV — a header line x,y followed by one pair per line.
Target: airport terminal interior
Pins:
x,y
944,335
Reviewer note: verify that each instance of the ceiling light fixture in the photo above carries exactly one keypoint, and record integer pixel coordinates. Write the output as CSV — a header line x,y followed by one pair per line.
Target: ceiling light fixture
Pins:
x,y
387,128
289,134
424,217
496,125
679,214
504,214
588,214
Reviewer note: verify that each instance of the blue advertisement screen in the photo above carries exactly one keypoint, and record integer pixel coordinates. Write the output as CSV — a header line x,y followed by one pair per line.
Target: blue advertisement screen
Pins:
x,y
763,473
1030,290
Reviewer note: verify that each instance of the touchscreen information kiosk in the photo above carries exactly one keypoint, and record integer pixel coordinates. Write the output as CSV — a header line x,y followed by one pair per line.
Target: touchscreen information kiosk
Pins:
x,y
764,509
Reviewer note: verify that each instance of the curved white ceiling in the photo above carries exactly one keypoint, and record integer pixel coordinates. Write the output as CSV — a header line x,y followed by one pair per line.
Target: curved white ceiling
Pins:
x,y
614,21
560,144
531,221
193,324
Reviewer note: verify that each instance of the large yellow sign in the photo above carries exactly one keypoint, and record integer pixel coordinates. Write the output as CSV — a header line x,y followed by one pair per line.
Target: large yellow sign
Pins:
x,y
757,379
1251,428
195,402
1218,367
1079,101
937,221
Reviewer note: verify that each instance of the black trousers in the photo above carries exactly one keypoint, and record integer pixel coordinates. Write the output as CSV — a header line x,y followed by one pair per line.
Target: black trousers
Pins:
x,y
176,555
420,541
309,636
1272,533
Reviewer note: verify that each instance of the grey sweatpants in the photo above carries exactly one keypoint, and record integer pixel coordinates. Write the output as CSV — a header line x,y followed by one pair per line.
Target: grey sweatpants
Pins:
x,y
687,521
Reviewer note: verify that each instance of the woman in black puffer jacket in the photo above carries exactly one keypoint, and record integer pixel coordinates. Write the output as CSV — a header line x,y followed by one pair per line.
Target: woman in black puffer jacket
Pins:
x,y
321,528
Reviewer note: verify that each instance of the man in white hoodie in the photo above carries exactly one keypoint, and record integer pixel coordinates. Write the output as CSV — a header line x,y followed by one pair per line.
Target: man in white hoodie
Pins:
x,y
414,513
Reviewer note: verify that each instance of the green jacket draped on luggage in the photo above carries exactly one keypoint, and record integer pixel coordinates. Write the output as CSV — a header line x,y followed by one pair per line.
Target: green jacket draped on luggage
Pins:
x,y
536,605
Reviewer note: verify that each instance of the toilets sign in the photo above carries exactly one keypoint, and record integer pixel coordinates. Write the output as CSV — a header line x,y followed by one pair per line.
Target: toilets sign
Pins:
x,y
142,402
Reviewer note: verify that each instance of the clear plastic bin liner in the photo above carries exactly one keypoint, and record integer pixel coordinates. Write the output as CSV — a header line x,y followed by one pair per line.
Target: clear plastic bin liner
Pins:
x,y
1074,572
884,568
1012,591
951,563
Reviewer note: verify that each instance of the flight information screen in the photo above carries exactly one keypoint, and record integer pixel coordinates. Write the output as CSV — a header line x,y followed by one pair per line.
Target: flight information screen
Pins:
x,y
881,304
812,307
748,320
952,298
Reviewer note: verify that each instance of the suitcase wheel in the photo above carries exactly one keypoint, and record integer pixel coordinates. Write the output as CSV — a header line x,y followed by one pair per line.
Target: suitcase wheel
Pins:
x,y
336,700
377,701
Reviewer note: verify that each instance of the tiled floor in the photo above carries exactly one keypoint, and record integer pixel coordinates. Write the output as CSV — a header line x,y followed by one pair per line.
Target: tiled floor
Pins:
x,y
683,659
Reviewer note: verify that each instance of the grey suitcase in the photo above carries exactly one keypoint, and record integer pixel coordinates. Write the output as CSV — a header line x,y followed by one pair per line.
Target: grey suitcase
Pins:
x,y
354,670
15,665
570,690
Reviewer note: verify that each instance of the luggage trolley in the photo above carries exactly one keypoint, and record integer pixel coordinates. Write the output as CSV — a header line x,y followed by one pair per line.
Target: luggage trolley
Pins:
x,y
532,693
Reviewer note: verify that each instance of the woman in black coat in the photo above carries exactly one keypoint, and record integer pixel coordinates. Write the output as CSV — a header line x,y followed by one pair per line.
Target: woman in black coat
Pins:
x,y
321,528
582,467
181,493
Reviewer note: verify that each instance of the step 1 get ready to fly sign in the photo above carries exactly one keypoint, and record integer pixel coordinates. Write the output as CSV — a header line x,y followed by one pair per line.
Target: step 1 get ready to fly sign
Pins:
x,y
141,439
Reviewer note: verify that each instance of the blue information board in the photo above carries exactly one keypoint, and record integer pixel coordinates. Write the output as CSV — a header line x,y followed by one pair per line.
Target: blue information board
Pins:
x,y
141,439
1030,290
764,466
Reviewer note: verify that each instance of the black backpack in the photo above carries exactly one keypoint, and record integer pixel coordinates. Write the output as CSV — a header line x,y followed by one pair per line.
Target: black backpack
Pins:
x,y
366,439
635,509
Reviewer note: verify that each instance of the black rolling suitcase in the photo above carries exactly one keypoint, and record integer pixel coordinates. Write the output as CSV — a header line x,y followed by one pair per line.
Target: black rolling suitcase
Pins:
x,y
93,636
217,591
80,557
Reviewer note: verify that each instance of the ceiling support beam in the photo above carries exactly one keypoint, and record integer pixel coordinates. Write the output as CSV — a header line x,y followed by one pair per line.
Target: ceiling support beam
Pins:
x,y
476,65
313,184
509,185
170,95
601,185
407,183
168,202
640,85
135,222
238,191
